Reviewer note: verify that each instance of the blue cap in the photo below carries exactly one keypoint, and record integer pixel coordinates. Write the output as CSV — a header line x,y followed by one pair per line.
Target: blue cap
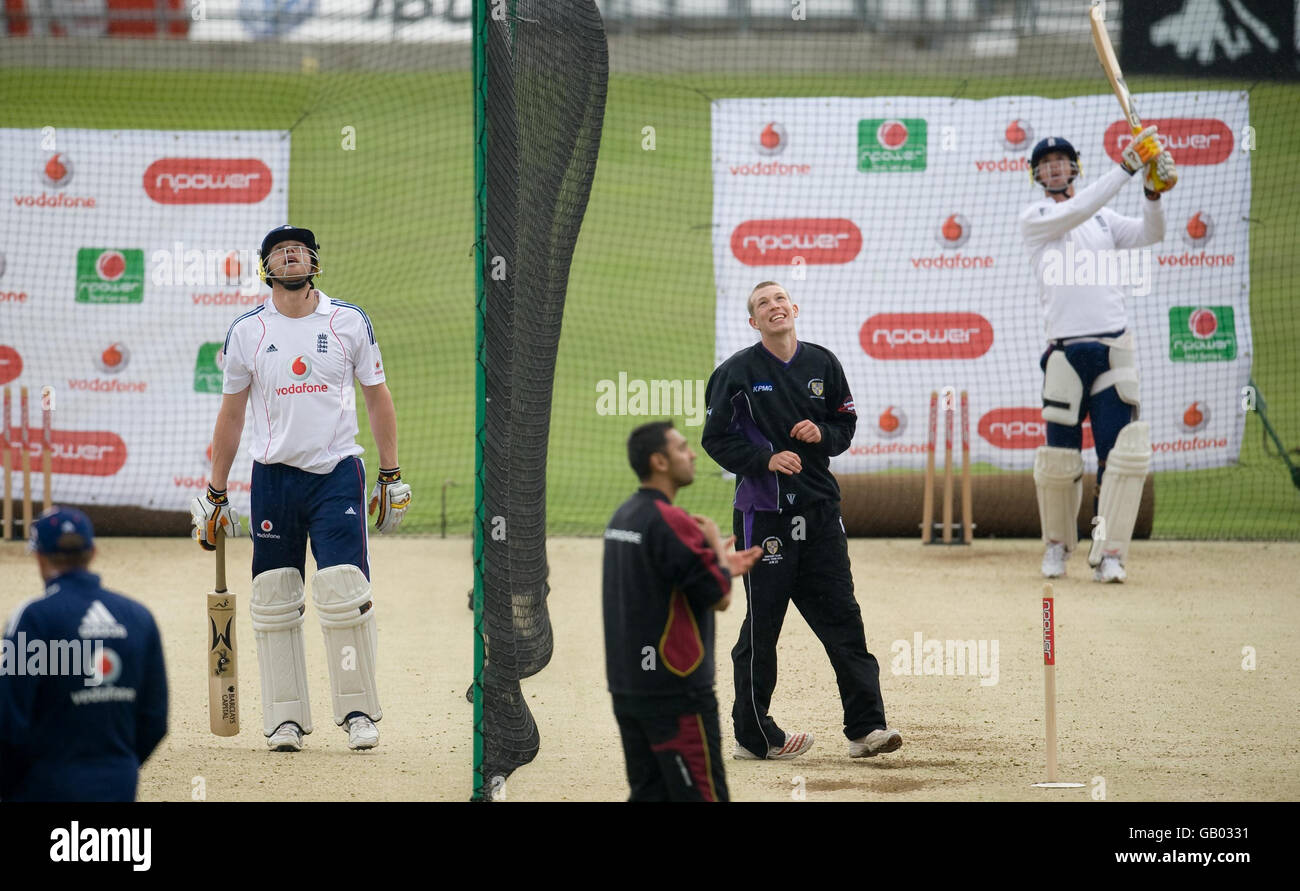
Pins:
x,y
61,530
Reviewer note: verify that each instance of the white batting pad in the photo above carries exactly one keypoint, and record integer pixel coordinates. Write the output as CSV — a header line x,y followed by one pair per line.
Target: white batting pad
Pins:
x,y
1058,473
347,619
277,606
1121,492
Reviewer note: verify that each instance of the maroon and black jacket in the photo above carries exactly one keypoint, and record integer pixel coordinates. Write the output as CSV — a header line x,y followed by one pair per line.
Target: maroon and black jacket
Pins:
x,y
661,582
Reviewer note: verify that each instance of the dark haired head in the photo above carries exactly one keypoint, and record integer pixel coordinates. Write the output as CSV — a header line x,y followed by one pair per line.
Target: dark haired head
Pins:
x,y
647,440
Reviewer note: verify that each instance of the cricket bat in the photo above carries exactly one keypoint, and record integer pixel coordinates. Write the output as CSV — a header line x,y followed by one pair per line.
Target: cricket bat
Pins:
x,y
1110,65
223,657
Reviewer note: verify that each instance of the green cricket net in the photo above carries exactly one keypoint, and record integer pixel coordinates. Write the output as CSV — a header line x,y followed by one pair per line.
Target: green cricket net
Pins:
x,y
544,74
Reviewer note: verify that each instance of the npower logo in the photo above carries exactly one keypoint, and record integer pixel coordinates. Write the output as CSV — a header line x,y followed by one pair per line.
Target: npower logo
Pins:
x,y
1020,428
817,240
84,452
207,181
926,335
1191,141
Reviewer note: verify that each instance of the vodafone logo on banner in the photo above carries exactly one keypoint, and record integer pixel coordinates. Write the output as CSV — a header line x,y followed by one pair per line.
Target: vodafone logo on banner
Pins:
x,y
953,231
1191,141
207,181
1021,428
1199,229
926,335
1018,136
891,423
1194,418
114,359
772,139
57,171
778,242
54,171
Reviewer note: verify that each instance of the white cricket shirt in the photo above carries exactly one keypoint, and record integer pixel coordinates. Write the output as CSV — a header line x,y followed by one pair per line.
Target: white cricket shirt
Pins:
x,y
1063,237
303,403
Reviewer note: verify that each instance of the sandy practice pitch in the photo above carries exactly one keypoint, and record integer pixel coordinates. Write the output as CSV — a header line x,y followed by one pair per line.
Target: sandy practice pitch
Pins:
x,y
1153,699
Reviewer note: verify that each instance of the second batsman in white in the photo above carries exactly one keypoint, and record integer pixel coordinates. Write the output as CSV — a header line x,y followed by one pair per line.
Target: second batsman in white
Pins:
x,y
1090,364
297,355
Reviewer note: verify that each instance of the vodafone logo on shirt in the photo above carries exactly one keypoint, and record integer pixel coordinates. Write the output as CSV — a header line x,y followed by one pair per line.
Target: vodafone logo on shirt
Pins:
x,y
926,335
1020,428
299,369
1191,141
818,240
207,181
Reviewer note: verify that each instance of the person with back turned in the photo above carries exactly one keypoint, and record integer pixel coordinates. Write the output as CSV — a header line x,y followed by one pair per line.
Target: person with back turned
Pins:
x,y
83,687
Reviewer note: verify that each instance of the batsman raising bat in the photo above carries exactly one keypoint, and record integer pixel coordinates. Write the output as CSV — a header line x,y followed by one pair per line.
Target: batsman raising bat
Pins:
x,y
297,355
1090,365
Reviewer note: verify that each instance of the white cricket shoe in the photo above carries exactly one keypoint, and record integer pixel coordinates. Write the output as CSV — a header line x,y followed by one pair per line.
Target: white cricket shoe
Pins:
x,y
287,738
1109,570
877,742
362,733
1054,560
795,745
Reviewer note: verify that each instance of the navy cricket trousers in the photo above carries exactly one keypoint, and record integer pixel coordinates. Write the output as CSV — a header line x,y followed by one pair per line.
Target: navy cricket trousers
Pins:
x,y
813,572
289,504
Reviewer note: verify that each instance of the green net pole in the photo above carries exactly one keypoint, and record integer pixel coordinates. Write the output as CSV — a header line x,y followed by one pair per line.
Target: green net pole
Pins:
x,y
479,44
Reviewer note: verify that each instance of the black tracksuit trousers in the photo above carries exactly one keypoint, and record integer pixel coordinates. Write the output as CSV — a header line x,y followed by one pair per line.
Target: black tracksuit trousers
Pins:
x,y
805,560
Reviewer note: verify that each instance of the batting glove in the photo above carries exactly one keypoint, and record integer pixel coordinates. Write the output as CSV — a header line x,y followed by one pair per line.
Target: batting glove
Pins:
x,y
1162,174
209,512
389,500
1138,153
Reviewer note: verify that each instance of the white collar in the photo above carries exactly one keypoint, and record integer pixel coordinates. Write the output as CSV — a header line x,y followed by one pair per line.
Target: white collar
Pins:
x,y
322,305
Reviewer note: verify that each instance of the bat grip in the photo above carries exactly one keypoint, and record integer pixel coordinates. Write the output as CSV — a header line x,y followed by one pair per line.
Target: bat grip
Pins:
x,y
221,561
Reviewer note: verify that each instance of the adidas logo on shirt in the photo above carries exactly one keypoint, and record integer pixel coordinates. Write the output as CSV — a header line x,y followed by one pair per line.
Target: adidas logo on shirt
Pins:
x,y
272,349
98,622
349,512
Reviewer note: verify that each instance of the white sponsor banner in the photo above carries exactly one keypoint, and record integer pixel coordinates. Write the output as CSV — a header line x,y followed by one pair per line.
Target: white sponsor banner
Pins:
x,y
126,255
335,21
893,223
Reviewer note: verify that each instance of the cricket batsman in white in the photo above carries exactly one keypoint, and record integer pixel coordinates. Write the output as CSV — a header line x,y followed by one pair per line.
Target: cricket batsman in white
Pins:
x,y
1090,364
297,355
